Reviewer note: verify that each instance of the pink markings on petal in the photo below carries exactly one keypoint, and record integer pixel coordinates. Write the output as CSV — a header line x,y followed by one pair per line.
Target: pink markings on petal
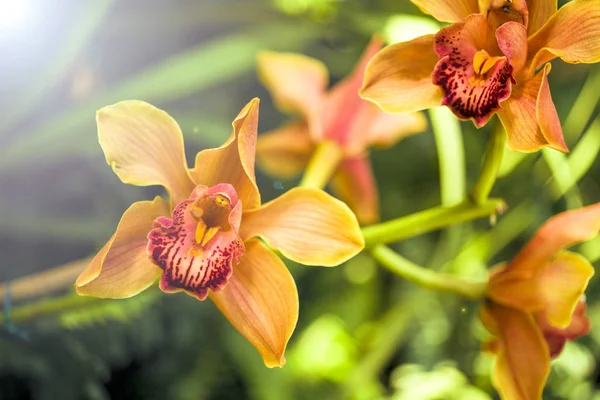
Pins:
x,y
196,248
474,83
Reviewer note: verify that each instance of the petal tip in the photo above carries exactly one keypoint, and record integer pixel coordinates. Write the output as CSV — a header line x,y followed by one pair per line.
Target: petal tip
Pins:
x,y
275,363
250,108
562,147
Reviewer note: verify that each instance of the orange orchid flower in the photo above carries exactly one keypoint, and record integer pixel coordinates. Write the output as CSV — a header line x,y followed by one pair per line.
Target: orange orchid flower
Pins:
x,y
298,85
206,241
535,303
492,59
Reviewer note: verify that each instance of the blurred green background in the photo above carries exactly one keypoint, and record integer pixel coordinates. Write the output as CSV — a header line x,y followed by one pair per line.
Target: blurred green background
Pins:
x,y
363,333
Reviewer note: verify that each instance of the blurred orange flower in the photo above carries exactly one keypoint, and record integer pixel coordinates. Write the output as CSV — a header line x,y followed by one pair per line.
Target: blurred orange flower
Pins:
x,y
206,242
339,116
535,303
492,59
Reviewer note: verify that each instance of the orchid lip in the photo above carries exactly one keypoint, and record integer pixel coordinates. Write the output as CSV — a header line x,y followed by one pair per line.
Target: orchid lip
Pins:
x,y
197,247
473,82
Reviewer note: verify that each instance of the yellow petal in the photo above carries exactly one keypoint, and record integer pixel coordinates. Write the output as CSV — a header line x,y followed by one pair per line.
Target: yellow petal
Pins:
x,y
296,83
308,226
523,361
398,78
284,152
233,162
529,116
559,232
261,302
540,11
572,33
448,10
122,268
355,185
144,146
563,282
554,290
487,318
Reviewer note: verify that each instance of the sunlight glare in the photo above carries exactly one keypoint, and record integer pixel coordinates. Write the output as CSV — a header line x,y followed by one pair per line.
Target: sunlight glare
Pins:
x,y
15,14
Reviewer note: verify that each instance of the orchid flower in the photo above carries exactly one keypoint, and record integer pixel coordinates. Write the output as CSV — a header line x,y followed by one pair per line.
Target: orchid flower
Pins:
x,y
298,85
536,303
492,59
205,242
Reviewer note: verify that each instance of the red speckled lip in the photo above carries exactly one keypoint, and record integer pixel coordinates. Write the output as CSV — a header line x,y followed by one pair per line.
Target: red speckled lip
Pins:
x,y
191,266
468,95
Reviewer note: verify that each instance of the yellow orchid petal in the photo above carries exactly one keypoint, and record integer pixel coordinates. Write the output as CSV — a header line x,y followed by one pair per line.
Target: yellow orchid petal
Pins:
x,y
486,317
523,360
559,232
572,33
261,302
563,282
122,268
233,162
373,127
448,10
355,185
540,11
284,152
398,78
144,146
557,337
580,324
518,291
297,84
529,116
308,226
554,290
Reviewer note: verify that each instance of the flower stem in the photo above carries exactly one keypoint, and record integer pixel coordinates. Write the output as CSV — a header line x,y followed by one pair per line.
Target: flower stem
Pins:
x,y
48,306
429,220
451,155
322,165
427,278
491,165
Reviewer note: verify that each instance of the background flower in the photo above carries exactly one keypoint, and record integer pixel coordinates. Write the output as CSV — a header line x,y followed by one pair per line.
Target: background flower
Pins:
x,y
298,85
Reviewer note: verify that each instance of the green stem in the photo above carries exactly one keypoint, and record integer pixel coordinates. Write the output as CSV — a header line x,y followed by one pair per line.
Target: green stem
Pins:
x,y
425,277
322,165
48,306
429,220
491,165
450,149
